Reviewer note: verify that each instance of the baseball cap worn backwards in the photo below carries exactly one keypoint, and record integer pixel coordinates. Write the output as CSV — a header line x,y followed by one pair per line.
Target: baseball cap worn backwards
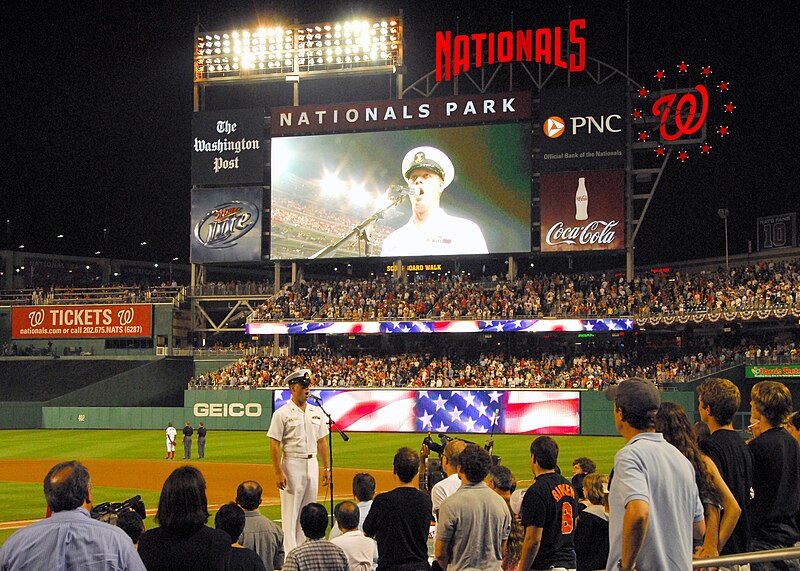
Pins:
x,y
636,396
300,376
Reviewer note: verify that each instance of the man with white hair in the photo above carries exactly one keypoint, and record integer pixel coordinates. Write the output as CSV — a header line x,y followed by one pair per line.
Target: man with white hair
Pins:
x,y
431,231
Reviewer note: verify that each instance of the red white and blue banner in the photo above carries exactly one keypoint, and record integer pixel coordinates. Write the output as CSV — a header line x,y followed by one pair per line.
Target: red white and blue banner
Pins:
x,y
460,326
458,411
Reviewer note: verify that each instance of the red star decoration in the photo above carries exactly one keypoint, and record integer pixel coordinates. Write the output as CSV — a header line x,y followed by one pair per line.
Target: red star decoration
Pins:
x,y
706,71
683,155
660,151
637,114
705,148
723,86
643,92
660,74
643,135
729,107
683,67
723,130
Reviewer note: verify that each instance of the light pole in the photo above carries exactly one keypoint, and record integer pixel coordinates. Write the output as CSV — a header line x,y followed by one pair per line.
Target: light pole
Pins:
x,y
723,213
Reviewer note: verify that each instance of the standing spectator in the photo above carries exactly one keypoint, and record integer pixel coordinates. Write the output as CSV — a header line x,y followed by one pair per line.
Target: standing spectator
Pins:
x,y
70,538
317,553
298,430
502,482
230,519
260,533
187,441
400,519
449,485
184,542
591,527
581,467
720,507
719,400
360,550
474,522
776,473
548,510
654,507
201,441
363,491
171,434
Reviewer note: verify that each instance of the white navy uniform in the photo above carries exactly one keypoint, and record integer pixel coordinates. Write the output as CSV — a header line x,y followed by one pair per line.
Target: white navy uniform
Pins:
x,y
298,433
171,432
441,234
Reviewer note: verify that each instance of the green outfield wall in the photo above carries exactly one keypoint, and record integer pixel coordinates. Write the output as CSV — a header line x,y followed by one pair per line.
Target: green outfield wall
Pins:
x,y
113,417
19,415
229,409
597,414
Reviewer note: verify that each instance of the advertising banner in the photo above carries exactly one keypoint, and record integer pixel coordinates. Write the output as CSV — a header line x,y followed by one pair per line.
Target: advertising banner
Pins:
x,y
461,326
777,231
226,225
582,211
772,371
583,128
81,321
477,411
228,147
228,410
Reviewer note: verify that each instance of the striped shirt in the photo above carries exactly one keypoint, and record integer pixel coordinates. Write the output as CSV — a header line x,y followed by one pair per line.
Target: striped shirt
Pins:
x,y
316,555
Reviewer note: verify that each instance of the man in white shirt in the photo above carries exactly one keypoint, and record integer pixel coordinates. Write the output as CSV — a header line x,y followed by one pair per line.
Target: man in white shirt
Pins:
x,y
170,433
360,550
452,483
431,231
298,430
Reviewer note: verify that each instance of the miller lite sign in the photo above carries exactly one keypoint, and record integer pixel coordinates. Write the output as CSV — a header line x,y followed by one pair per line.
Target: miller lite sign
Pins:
x,y
226,225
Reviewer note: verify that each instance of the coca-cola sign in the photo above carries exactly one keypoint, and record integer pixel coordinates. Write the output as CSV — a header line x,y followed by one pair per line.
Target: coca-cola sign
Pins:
x,y
582,211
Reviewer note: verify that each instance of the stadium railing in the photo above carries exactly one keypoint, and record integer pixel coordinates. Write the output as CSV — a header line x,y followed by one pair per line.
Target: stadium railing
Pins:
x,y
746,558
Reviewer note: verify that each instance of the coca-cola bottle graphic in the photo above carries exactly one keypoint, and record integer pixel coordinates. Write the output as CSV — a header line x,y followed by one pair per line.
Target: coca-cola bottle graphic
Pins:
x,y
581,200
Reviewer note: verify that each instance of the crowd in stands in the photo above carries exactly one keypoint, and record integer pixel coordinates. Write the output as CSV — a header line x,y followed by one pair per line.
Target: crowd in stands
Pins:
x,y
589,370
719,496
765,285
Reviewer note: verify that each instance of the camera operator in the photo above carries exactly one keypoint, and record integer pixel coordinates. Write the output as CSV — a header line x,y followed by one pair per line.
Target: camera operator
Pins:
x,y
70,539
451,483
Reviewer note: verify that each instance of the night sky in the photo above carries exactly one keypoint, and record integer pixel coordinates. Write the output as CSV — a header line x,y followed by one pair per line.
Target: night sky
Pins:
x,y
98,107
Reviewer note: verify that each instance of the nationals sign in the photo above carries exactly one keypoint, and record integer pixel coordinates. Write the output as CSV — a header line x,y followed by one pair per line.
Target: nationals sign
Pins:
x,y
81,321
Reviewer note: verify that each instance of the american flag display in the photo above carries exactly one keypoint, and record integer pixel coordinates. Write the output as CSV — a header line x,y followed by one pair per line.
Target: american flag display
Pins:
x,y
459,326
460,411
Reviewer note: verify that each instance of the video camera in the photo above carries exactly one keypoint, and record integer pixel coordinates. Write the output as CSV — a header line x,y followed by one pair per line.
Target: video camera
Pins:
x,y
110,511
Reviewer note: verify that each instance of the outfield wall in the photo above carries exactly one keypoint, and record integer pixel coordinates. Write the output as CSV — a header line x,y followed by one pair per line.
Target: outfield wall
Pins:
x,y
112,417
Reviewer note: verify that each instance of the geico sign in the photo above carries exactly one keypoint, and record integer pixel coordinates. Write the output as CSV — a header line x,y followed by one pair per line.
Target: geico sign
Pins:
x,y
590,124
227,409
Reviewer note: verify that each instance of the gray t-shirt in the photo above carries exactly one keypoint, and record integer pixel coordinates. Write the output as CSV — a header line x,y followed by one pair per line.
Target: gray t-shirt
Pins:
x,y
474,521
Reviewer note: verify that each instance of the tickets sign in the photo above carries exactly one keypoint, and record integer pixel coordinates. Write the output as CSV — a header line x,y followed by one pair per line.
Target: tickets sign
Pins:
x,y
81,321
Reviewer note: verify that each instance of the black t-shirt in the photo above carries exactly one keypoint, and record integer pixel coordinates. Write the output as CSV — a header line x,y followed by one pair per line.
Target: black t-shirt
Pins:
x,y
244,559
729,452
776,493
208,549
550,503
187,431
400,521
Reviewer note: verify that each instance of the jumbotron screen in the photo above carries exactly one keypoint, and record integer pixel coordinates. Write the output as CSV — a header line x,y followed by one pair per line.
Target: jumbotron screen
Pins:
x,y
326,186
460,411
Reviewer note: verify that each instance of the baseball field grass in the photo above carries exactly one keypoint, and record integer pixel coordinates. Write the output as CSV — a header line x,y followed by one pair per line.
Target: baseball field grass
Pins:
x,y
21,498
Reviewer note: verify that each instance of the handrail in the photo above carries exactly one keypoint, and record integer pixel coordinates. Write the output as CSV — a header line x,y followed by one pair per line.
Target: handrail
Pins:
x,y
750,557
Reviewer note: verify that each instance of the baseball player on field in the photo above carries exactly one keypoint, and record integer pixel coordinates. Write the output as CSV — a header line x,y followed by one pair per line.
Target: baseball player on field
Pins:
x,y
171,432
299,430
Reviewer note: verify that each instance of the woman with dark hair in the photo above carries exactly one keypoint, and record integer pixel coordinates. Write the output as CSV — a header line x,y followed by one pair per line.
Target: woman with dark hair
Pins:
x,y
721,510
184,542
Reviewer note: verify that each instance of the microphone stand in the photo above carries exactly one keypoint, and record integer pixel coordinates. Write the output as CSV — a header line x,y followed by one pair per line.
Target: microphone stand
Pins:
x,y
331,425
359,229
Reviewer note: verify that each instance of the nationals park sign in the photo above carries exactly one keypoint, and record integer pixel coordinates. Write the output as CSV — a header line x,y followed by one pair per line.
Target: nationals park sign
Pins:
x,y
81,321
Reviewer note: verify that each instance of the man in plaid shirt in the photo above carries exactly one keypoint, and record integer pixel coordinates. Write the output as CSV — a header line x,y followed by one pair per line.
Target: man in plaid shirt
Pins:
x,y
317,553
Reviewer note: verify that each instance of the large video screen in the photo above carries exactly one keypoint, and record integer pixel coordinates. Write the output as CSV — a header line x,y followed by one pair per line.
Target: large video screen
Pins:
x,y
460,411
325,186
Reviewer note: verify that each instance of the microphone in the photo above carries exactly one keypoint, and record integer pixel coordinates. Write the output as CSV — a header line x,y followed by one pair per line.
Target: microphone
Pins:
x,y
314,398
404,190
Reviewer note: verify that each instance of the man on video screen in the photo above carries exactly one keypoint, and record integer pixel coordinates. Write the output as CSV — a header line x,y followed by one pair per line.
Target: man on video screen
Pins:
x,y
431,231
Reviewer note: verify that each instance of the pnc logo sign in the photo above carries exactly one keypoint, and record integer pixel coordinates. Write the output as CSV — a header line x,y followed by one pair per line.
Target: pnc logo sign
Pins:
x,y
554,127
234,409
